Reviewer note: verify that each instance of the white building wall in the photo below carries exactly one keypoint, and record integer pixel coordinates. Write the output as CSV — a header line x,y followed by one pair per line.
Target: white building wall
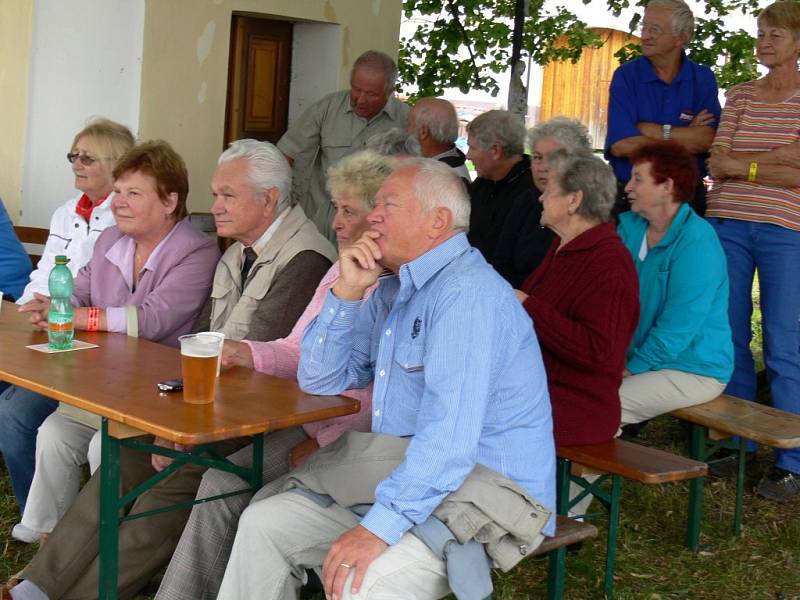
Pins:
x,y
85,61
316,64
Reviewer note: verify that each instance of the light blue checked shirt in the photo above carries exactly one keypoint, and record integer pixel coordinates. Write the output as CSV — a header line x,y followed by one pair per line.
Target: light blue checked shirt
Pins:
x,y
456,367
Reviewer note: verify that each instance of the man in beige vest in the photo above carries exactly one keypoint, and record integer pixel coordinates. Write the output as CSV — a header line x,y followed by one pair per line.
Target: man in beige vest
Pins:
x,y
287,255
262,284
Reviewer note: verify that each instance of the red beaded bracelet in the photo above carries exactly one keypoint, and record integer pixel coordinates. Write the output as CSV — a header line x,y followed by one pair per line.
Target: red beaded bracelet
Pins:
x,y
93,320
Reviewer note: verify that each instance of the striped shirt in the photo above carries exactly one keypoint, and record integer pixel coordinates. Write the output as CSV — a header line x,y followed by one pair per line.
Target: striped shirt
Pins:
x,y
750,125
456,367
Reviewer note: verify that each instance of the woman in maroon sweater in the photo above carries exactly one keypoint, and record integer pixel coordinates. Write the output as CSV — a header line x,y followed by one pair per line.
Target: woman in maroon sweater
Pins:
x,y
583,299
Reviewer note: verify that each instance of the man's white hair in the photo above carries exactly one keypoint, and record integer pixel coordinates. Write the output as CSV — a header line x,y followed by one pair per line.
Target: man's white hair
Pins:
x,y
437,185
501,127
393,142
682,17
378,61
439,116
268,168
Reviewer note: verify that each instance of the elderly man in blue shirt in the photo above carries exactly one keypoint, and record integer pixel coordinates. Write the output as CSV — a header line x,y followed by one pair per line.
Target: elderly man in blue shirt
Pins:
x,y
457,372
662,95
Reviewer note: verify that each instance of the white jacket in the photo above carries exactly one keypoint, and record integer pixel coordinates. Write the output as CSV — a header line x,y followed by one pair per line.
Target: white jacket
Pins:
x,y
72,236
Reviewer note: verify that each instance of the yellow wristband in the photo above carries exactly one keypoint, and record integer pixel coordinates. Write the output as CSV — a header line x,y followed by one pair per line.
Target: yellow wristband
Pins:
x,y
751,175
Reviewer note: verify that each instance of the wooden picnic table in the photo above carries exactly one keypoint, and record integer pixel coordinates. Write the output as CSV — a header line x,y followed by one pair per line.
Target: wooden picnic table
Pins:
x,y
118,381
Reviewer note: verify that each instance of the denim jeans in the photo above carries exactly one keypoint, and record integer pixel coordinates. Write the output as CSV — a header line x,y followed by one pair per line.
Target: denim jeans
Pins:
x,y
21,413
774,252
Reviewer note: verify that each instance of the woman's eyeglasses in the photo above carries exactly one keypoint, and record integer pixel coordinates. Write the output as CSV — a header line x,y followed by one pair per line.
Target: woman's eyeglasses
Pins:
x,y
86,160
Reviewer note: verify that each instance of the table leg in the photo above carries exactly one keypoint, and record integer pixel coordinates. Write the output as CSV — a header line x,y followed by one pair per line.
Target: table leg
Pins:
x,y
109,515
696,485
613,528
557,561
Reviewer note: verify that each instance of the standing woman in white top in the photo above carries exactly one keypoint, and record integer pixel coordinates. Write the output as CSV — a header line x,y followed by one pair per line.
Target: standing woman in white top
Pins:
x,y
74,228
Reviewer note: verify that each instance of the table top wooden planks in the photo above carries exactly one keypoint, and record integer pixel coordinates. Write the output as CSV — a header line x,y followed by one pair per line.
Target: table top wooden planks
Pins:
x,y
118,380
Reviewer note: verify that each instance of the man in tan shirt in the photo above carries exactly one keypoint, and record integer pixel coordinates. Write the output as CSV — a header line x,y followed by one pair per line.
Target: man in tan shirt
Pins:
x,y
337,125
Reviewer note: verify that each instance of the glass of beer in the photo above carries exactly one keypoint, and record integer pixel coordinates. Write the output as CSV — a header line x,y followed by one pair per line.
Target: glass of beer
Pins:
x,y
200,358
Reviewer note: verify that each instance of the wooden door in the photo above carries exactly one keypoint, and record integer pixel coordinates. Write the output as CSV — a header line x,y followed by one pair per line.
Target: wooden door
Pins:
x,y
258,79
580,90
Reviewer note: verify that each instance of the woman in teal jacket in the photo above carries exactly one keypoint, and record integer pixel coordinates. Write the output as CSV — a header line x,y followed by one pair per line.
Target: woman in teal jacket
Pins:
x,y
681,353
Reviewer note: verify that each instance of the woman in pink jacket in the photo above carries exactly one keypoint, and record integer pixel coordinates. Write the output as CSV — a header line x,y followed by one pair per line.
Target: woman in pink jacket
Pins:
x,y
148,277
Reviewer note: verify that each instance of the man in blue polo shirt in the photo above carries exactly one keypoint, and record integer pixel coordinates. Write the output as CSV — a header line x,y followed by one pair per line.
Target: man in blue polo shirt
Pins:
x,y
662,95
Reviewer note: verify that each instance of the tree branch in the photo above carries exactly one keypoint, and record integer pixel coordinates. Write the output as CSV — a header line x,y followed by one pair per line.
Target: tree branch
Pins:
x,y
476,73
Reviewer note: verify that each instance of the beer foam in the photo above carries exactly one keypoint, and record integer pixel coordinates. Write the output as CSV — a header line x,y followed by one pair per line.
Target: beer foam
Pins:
x,y
197,348
198,354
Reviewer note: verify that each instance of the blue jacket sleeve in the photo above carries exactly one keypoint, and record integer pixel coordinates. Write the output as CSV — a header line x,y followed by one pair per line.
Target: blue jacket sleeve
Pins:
x,y
15,266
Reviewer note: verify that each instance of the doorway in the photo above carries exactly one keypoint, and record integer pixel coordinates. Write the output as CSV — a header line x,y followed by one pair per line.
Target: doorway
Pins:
x,y
258,79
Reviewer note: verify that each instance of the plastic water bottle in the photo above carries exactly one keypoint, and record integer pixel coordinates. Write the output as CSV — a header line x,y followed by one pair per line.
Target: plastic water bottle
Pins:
x,y
59,317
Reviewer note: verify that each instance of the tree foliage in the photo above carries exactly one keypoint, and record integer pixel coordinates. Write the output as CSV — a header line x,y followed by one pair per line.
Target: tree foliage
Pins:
x,y
460,43
711,40
464,43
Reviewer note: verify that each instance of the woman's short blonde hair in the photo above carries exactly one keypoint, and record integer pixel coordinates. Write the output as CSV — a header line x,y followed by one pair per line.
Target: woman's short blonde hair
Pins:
x,y
107,139
784,15
360,175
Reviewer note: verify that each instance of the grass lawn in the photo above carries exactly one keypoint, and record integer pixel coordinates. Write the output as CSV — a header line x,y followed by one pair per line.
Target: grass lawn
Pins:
x,y
652,562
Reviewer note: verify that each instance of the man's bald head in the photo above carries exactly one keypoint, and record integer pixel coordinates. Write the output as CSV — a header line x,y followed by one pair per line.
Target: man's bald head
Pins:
x,y
434,118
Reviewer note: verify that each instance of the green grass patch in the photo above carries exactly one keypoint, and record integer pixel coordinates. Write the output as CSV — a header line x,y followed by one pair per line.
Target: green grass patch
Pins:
x,y
652,561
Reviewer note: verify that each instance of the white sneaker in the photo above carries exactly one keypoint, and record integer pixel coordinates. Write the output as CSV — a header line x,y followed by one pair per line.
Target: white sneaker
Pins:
x,y
23,534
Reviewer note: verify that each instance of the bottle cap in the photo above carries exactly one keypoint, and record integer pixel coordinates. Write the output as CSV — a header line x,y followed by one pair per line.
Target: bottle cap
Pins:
x,y
61,259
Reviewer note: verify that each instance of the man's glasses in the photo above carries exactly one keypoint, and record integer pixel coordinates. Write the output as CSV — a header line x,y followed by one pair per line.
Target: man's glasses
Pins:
x,y
86,160
654,30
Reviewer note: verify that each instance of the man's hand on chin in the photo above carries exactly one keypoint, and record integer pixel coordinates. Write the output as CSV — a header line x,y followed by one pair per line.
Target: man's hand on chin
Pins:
x,y
355,549
358,267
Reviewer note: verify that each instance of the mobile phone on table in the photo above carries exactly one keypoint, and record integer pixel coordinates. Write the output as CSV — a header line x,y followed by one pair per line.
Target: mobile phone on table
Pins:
x,y
171,385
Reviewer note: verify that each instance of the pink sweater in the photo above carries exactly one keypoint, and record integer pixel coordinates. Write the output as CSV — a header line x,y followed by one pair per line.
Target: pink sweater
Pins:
x,y
281,357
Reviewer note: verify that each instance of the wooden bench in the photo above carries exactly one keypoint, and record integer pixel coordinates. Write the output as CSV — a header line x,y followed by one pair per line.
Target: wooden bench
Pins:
x,y
619,459
568,532
34,240
713,423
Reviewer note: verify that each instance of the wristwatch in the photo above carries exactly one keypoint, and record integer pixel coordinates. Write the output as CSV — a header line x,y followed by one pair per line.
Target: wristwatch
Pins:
x,y
667,131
